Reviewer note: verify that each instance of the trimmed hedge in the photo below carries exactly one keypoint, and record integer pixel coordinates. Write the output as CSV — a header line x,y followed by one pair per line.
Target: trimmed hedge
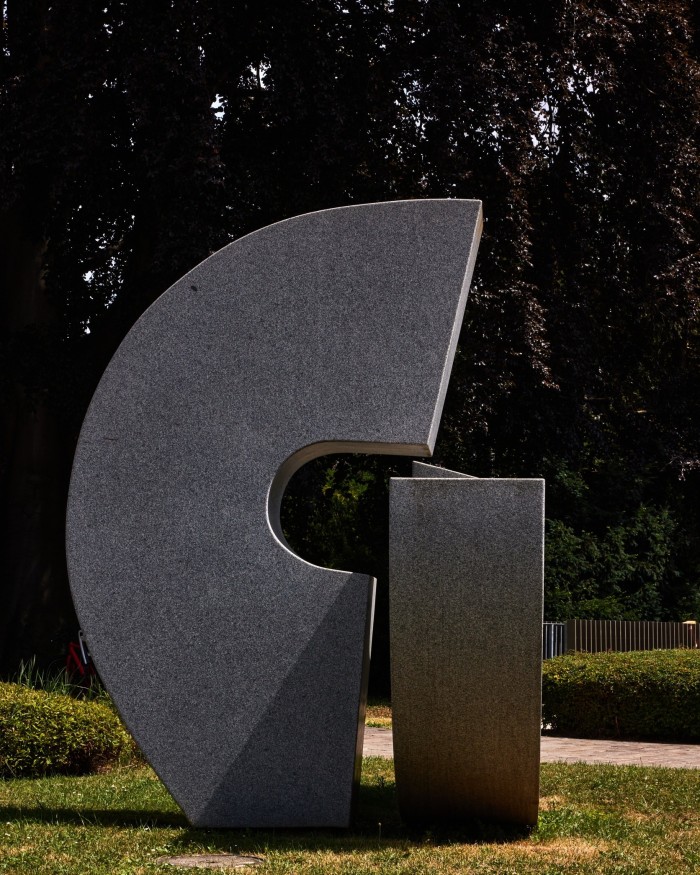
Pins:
x,y
652,694
43,733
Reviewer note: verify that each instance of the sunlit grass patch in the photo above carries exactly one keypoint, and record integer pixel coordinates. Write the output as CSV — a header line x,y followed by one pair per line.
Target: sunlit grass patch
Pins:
x,y
378,713
607,820
378,722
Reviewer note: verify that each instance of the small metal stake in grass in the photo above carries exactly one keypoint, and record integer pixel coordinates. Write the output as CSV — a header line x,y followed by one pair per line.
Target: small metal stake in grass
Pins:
x,y
210,861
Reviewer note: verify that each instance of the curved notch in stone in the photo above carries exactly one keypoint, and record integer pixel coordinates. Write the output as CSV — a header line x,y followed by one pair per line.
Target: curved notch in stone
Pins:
x,y
238,667
307,454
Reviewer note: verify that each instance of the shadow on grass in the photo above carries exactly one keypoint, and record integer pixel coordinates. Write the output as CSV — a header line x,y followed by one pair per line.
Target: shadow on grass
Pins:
x,y
93,816
376,824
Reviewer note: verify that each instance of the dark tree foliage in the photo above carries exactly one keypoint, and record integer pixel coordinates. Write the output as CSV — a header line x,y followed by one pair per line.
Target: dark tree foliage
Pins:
x,y
111,186
617,205
138,138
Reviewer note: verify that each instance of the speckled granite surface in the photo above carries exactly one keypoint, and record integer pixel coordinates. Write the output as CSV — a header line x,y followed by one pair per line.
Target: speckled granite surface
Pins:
x,y
466,591
237,666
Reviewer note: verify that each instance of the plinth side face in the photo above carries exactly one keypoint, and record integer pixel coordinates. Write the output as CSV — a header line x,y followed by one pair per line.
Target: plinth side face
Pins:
x,y
238,667
466,593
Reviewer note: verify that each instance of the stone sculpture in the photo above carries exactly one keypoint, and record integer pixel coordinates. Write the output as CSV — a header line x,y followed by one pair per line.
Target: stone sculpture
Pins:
x,y
239,668
466,585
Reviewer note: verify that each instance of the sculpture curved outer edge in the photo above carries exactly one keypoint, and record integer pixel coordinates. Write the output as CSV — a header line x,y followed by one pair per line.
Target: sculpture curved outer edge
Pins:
x,y
238,666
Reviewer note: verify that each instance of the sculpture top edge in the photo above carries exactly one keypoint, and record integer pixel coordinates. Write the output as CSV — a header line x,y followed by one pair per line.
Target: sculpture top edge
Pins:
x,y
333,330
476,205
425,471
456,223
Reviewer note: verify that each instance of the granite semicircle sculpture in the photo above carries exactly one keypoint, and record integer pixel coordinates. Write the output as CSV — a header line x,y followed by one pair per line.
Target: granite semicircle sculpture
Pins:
x,y
238,667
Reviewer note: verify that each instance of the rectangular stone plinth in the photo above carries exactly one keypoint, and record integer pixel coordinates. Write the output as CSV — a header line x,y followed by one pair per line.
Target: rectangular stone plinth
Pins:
x,y
466,594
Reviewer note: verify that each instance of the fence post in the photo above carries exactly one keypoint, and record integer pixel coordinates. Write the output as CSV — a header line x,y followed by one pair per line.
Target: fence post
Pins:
x,y
690,636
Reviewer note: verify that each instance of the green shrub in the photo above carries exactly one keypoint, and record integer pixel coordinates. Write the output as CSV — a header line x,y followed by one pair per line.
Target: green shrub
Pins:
x,y
43,732
29,674
652,694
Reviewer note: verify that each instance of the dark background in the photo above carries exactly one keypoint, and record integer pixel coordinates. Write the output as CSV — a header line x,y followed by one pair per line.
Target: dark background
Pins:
x,y
137,138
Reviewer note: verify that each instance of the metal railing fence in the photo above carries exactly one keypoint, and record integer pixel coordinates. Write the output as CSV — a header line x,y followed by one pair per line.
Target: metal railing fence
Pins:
x,y
553,639
595,636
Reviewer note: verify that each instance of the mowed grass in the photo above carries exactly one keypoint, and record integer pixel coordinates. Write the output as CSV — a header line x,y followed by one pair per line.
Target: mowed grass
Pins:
x,y
378,713
606,820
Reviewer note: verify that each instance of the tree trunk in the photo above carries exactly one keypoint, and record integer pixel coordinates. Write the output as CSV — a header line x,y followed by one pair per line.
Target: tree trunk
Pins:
x,y
37,615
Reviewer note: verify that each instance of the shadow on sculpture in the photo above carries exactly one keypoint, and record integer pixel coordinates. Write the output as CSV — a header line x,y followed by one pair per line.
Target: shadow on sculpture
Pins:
x,y
329,332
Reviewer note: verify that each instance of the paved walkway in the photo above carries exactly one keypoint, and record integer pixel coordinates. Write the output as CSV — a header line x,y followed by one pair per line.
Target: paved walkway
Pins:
x,y
379,743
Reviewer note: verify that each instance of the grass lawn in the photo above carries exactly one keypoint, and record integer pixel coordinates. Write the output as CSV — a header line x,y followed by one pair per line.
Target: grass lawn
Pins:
x,y
378,713
594,819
